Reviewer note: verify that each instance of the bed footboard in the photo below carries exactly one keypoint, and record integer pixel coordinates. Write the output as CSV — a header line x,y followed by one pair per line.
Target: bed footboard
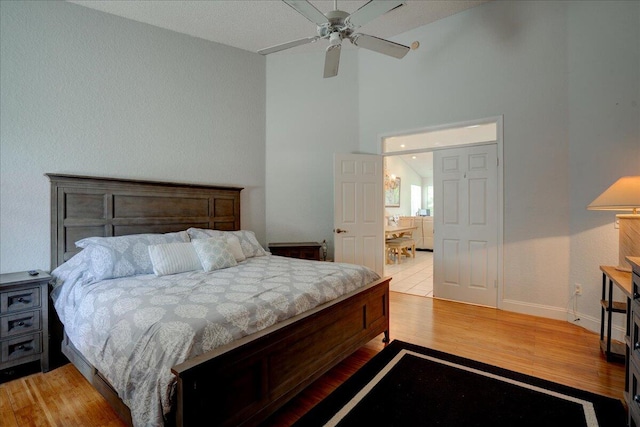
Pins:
x,y
246,381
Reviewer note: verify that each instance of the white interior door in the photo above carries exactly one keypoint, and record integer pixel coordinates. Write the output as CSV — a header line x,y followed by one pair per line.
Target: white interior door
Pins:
x,y
465,254
359,210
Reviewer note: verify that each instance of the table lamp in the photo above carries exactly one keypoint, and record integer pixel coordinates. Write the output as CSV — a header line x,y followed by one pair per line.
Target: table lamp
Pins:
x,y
623,195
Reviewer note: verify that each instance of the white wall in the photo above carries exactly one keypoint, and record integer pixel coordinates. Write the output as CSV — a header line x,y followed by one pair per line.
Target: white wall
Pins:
x,y
88,93
604,136
546,67
502,58
549,68
308,120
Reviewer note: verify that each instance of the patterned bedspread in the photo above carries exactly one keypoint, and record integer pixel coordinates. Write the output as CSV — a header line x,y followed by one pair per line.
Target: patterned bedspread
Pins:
x,y
134,329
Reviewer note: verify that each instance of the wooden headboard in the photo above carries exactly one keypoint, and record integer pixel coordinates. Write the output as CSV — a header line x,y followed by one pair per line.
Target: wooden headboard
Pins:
x,y
84,206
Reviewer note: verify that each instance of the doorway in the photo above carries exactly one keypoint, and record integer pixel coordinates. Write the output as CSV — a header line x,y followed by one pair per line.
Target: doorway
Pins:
x,y
412,274
417,276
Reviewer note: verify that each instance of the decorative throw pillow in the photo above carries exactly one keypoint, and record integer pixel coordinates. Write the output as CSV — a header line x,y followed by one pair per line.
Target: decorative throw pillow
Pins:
x,y
172,258
235,248
214,253
203,233
121,256
248,241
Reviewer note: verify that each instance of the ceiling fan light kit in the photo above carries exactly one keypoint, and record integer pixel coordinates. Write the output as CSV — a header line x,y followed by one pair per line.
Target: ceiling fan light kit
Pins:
x,y
338,25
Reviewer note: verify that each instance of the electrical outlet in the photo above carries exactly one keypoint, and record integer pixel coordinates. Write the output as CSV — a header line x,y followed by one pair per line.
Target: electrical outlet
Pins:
x,y
578,290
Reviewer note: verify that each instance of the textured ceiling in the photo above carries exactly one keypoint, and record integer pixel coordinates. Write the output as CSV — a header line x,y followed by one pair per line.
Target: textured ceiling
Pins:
x,y
255,24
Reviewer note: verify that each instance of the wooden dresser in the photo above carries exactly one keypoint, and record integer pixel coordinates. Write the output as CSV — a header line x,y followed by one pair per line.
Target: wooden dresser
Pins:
x,y
633,362
302,250
24,319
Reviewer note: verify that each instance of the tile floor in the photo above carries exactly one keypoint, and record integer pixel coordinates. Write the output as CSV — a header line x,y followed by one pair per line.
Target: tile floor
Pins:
x,y
413,275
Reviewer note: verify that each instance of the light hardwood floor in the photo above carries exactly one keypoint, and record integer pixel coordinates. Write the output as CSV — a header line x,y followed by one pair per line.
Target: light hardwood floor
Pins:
x,y
555,350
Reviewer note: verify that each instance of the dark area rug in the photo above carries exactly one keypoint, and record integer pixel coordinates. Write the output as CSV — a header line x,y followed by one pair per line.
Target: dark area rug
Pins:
x,y
409,385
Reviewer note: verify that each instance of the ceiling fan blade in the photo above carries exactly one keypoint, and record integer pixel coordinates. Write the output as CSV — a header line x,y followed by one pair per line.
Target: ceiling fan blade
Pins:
x,y
331,61
283,46
308,10
371,11
383,46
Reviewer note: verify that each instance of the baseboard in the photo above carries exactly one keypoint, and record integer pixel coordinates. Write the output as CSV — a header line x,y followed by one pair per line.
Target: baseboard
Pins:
x,y
547,311
593,324
588,322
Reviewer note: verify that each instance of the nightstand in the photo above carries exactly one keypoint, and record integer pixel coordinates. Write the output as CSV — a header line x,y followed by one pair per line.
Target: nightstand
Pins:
x,y
302,250
24,319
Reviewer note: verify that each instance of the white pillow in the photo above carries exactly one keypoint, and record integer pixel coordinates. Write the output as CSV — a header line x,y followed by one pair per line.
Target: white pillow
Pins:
x,y
235,248
248,241
214,253
121,256
172,258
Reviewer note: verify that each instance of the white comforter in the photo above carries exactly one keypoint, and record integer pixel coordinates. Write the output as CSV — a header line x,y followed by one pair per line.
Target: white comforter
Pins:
x,y
134,329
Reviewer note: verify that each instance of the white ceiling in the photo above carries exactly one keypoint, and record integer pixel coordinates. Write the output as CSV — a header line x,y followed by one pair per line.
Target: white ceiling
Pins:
x,y
421,163
256,24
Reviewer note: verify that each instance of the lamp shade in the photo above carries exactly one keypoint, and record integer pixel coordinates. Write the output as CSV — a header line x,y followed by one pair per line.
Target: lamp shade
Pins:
x,y
623,195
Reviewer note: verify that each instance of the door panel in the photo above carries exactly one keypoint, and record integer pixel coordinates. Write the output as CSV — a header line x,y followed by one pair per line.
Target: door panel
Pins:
x,y
478,259
348,210
465,224
478,201
371,197
451,199
451,254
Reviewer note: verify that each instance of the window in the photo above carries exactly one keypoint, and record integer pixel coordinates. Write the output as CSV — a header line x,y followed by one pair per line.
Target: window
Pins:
x,y
416,199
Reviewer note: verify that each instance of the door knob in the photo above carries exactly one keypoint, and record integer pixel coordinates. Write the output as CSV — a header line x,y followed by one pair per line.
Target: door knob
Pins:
x,y
339,230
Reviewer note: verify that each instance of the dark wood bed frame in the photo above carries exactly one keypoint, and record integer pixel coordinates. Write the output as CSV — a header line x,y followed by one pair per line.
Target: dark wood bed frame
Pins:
x,y
243,382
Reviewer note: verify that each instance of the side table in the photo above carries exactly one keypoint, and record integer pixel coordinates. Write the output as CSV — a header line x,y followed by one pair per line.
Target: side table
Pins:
x,y
24,319
302,250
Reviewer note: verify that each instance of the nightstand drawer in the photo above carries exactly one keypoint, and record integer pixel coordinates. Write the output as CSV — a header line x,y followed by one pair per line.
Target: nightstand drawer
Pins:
x,y
20,347
634,417
634,386
20,323
19,300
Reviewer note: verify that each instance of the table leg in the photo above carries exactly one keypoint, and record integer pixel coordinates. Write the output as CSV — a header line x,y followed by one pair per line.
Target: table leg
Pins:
x,y
609,314
604,287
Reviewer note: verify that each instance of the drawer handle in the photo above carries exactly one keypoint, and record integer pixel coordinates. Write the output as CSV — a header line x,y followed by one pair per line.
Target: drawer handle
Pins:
x,y
24,300
636,346
26,347
636,295
21,323
636,398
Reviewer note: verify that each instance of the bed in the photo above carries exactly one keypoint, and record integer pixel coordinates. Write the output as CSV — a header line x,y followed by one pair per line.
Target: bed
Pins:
x,y
241,382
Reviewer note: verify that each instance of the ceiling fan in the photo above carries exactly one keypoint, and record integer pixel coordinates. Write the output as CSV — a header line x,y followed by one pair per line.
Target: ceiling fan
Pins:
x,y
338,25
